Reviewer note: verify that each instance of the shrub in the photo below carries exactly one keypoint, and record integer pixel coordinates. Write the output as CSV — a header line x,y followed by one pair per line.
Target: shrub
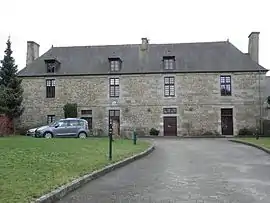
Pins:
x,y
211,133
98,132
208,133
247,131
154,131
70,110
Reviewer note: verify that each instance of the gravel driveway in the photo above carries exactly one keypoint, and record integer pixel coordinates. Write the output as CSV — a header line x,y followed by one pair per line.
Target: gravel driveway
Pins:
x,y
187,170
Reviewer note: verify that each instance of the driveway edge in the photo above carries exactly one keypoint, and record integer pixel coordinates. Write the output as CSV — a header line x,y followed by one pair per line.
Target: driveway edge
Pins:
x,y
63,190
252,145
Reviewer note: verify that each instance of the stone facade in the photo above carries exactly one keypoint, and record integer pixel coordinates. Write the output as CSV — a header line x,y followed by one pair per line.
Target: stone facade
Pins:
x,y
141,102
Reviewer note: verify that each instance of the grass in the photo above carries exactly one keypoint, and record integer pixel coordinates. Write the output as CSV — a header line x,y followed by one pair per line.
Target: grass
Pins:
x,y
31,167
264,142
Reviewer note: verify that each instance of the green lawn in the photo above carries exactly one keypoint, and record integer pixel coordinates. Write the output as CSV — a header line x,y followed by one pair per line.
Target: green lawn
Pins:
x,y
264,142
30,167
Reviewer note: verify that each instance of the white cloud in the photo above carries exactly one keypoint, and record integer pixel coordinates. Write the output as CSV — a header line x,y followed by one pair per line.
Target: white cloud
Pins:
x,y
91,22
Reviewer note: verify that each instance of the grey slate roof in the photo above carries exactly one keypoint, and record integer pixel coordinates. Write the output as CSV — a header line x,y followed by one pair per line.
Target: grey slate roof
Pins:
x,y
190,57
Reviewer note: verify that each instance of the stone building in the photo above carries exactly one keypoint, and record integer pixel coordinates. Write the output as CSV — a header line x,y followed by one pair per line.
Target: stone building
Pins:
x,y
179,89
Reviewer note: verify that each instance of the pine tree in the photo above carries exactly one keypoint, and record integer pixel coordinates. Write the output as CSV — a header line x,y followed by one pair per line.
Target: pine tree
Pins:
x,y
10,86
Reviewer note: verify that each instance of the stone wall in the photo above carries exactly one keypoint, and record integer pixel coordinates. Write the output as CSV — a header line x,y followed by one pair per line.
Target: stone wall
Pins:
x,y
142,100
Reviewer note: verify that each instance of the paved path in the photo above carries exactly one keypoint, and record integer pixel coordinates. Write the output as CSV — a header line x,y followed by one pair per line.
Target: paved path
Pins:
x,y
189,170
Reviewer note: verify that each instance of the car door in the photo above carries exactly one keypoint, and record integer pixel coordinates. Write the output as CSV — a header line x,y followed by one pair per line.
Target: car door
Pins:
x,y
60,129
73,128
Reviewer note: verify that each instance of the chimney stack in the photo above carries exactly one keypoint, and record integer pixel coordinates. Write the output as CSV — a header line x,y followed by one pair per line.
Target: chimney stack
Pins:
x,y
253,46
32,52
144,44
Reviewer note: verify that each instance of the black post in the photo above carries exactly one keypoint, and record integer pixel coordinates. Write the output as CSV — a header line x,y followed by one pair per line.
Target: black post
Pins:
x,y
110,139
134,137
260,100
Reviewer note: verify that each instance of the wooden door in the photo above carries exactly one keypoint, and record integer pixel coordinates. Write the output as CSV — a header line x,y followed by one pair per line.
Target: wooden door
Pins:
x,y
170,125
89,120
227,121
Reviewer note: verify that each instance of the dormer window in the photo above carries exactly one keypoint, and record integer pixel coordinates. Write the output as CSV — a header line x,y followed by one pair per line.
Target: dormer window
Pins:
x,y
51,65
169,62
115,64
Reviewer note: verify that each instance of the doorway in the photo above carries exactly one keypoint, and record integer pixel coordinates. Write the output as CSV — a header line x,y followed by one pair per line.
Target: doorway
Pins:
x,y
170,125
114,116
227,121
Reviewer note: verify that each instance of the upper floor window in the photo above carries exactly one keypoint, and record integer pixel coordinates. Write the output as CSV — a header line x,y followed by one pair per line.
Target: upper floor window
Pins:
x,y
225,85
115,64
51,65
114,87
168,62
50,88
169,86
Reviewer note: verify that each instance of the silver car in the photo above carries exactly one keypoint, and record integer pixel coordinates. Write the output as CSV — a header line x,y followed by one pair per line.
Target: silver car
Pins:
x,y
68,127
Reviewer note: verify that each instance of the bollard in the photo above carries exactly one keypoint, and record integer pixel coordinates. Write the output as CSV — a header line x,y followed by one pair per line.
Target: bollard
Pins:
x,y
134,136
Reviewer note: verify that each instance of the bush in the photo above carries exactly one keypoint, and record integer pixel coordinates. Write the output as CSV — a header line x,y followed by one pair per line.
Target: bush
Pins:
x,y
70,110
22,130
208,133
97,132
154,131
247,131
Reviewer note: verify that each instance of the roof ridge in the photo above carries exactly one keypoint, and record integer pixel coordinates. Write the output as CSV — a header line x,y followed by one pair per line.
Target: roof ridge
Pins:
x,y
160,44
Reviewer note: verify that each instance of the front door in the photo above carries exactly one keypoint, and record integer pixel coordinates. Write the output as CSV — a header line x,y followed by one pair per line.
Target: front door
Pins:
x,y
227,121
170,125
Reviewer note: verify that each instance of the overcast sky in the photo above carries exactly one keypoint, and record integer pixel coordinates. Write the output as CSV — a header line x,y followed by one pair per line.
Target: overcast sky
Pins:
x,y
100,22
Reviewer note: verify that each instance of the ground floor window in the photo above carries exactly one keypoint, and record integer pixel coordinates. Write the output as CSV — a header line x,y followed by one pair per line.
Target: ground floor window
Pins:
x,y
50,119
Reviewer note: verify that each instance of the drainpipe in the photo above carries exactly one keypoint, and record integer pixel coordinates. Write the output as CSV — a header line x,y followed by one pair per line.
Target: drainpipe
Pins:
x,y
260,100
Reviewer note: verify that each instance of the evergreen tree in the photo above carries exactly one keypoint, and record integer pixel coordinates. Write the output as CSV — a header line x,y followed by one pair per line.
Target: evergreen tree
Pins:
x,y
10,86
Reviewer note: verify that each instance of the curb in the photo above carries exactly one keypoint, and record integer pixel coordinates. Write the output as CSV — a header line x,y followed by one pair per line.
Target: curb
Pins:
x,y
252,145
182,137
63,190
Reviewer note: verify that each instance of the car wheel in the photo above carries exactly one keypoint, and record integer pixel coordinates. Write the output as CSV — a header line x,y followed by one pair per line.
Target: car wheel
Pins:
x,y
48,135
82,135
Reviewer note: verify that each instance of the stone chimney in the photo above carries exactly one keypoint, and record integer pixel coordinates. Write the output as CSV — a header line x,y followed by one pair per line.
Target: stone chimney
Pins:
x,y
253,46
144,44
32,52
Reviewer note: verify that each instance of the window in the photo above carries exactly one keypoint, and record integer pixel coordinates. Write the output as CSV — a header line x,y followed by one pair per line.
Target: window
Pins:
x,y
50,88
63,123
115,64
169,62
114,113
169,110
51,66
86,112
169,90
50,119
225,85
74,123
114,87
